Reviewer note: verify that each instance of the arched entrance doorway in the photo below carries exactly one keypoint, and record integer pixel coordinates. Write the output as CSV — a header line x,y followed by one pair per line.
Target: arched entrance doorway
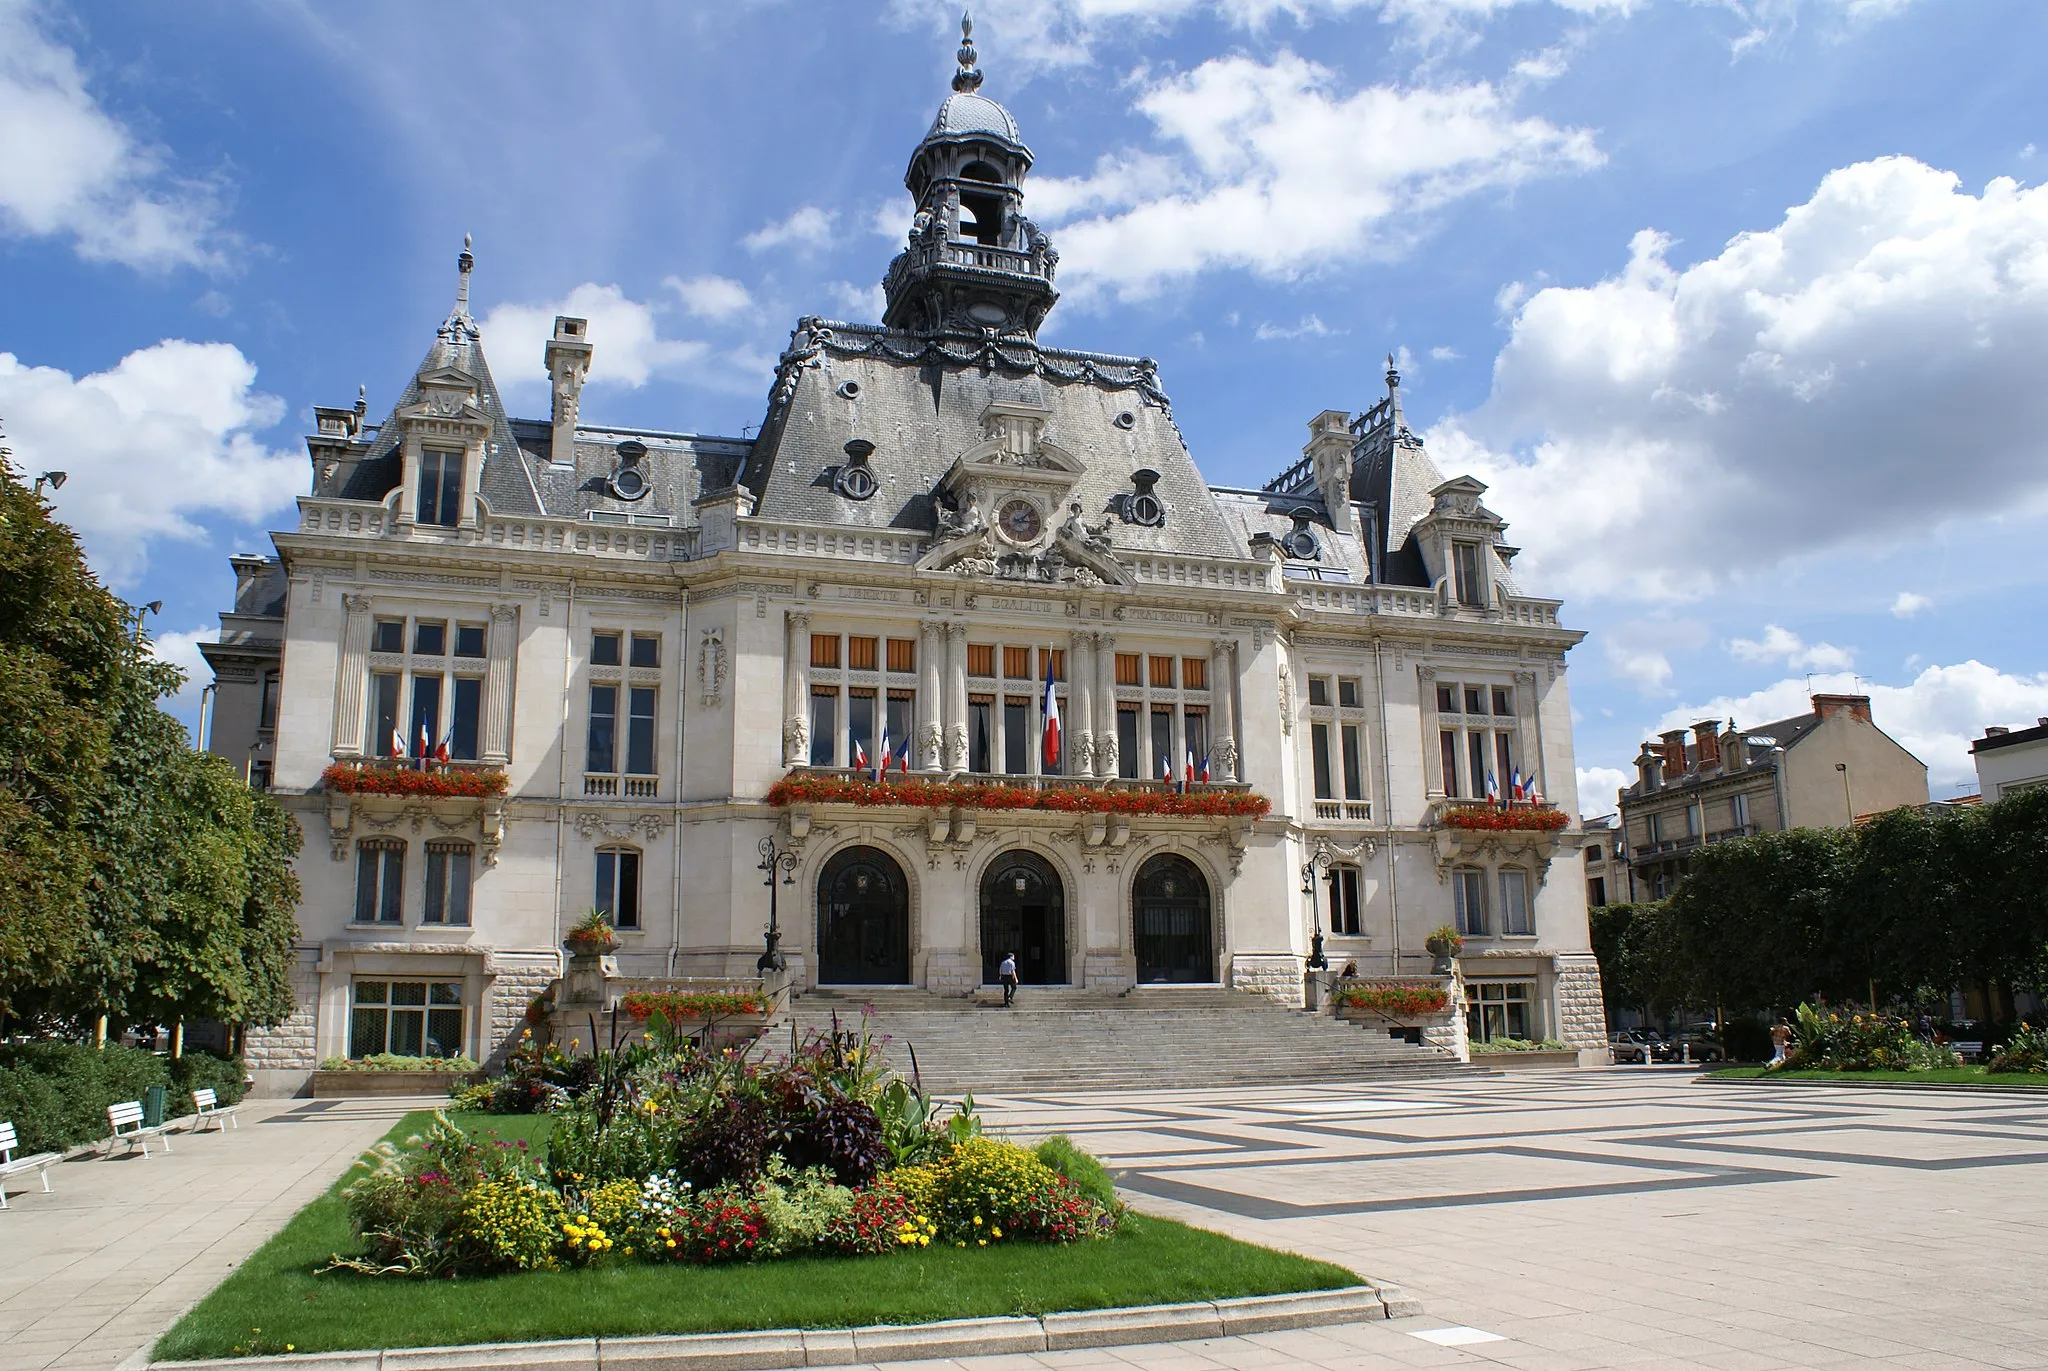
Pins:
x,y
863,920
1024,910
1170,922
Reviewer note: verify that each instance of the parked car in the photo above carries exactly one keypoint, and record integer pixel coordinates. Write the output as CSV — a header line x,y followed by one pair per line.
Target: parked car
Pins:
x,y
1633,1044
1697,1042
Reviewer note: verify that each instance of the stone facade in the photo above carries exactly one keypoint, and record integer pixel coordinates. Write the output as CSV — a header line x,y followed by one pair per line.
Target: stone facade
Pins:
x,y
940,522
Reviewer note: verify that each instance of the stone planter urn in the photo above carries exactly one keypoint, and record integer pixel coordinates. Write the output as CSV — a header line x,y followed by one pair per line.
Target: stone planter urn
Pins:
x,y
1443,945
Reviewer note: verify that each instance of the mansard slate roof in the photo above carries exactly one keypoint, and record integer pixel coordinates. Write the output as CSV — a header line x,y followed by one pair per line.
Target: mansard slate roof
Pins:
x,y
920,400
1783,733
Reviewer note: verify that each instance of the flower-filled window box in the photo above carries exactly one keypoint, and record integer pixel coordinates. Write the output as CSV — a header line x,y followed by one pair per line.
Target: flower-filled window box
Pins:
x,y
1395,1000
441,781
1519,818
942,795
679,1006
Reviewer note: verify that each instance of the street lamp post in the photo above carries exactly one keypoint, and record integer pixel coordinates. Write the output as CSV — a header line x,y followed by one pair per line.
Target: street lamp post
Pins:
x,y
53,479
1320,858
142,613
774,859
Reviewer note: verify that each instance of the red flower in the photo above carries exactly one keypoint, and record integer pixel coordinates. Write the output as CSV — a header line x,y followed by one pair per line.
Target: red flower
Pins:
x,y
1491,819
470,783
806,789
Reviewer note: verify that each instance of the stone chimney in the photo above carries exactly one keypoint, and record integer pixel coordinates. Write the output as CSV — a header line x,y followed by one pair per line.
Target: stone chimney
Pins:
x,y
1674,753
1650,766
1707,740
1827,706
1329,454
568,362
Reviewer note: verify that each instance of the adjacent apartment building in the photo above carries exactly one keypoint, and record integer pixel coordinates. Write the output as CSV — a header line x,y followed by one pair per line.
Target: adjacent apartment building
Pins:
x,y
2010,760
1815,770
658,662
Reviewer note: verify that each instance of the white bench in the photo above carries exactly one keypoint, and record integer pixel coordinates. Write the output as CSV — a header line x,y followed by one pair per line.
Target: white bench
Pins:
x,y
40,1163
126,1121
205,1106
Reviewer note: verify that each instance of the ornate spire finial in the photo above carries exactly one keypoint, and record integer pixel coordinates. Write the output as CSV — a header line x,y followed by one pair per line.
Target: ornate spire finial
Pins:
x,y
968,78
464,265
1393,375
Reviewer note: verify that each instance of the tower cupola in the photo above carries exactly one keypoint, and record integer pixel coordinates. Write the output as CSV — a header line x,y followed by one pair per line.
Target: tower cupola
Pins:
x,y
974,265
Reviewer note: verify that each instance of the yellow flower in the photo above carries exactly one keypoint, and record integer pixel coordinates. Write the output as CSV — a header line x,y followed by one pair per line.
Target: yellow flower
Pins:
x,y
981,1242
977,1220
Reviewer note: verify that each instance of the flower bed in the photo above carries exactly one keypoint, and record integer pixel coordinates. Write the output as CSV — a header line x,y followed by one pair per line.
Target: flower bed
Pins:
x,y
1834,1041
799,789
1409,1000
692,1004
1503,1045
671,1152
467,783
1492,819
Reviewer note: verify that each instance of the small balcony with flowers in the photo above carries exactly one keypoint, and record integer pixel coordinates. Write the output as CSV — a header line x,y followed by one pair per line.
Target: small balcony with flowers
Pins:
x,y
954,804
1473,830
449,799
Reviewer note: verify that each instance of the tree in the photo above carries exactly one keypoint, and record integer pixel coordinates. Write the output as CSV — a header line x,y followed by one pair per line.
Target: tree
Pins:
x,y
1758,919
63,651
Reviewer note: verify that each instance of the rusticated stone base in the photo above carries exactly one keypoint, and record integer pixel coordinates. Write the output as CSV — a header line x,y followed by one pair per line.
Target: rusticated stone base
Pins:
x,y
1581,1010
1276,977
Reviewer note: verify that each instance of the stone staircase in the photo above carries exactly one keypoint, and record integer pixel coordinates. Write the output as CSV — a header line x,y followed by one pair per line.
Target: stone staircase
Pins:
x,y
1159,1039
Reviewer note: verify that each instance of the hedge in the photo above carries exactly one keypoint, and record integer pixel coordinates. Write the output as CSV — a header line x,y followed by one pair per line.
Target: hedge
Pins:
x,y
56,1094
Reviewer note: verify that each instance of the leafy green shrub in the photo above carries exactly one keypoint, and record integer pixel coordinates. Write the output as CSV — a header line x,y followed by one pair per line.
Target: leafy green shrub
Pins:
x,y
879,1220
629,1140
391,1061
412,1209
987,1191
1088,1175
56,1094
1518,1045
2026,1050
200,1070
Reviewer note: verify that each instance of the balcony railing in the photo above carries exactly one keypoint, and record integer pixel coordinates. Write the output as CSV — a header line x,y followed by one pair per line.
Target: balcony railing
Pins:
x,y
1031,782
609,786
1356,810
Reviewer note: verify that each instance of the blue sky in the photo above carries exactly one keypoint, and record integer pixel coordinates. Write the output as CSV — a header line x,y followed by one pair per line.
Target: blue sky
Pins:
x,y
1741,308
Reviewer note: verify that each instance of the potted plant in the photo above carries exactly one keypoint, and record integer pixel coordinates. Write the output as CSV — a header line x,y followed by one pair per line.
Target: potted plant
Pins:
x,y
593,936
1443,943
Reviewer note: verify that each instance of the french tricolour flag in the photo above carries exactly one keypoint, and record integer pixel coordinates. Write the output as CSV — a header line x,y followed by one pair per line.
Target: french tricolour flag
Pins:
x,y
1052,719
397,744
882,753
860,756
1492,789
424,747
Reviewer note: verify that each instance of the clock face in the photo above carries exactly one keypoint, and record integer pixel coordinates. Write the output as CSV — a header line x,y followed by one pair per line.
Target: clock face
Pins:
x,y
1019,521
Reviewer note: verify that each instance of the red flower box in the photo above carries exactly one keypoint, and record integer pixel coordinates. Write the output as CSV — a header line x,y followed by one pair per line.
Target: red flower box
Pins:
x,y
1395,999
798,789
467,784
691,1004
1494,820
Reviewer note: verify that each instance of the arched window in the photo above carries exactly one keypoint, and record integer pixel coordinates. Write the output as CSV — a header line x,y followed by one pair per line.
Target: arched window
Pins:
x,y
981,171
1170,920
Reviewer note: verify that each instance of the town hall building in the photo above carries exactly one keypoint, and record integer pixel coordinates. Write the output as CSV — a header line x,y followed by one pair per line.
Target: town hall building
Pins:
x,y
658,662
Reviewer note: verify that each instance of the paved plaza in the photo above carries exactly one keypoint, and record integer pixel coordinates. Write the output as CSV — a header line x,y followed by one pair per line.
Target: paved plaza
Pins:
x,y
1547,1221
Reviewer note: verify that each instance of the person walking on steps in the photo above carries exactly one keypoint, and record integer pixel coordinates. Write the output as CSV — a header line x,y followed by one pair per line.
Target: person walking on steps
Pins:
x,y
1007,974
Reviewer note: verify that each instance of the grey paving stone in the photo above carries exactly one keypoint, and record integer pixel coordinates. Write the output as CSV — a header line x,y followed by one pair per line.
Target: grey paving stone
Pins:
x,y
951,1338
573,1354
1115,1327
703,1352
1269,1313
829,1347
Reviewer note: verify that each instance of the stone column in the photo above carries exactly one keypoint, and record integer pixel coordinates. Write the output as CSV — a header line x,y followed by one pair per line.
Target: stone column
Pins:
x,y
956,697
1223,707
796,703
931,703
1528,733
1081,703
1105,705
352,677
498,685
1432,745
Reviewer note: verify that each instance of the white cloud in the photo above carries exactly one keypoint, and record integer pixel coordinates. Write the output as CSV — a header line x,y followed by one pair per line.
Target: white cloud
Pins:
x,y
1907,604
1638,650
1782,645
627,348
168,434
1597,785
808,227
1064,33
711,297
1443,354
1275,170
861,304
1935,716
181,649
68,169
1799,388
1309,327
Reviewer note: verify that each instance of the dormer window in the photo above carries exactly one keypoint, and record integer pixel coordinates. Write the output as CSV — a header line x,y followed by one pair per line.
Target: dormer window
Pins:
x,y
440,493
1141,506
629,482
1300,541
855,481
1468,574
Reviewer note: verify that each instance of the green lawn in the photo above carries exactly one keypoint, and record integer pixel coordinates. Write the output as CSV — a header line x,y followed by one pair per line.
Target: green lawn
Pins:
x,y
275,1299
1961,1075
